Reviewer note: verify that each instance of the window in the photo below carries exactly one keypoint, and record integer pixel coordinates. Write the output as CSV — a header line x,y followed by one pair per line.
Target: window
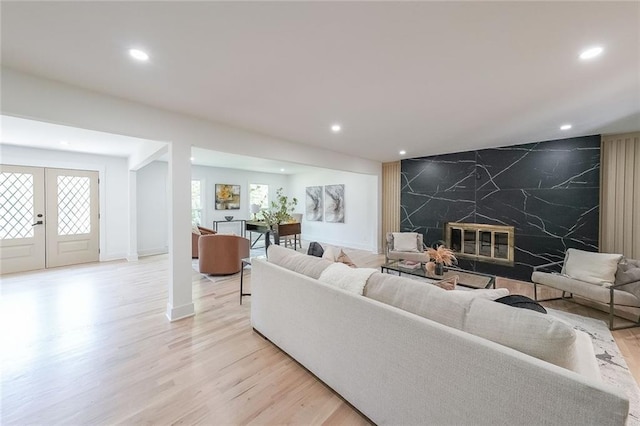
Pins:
x,y
490,243
196,202
259,194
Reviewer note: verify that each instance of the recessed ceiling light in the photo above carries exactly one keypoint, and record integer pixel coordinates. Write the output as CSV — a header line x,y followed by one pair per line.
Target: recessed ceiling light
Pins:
x,y
282,170
403,152
565,127
139,54
335,128
65,143
591,52
192,158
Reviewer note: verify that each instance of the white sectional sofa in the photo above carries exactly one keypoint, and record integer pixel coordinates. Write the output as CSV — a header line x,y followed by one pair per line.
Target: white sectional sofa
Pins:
x,y
431,362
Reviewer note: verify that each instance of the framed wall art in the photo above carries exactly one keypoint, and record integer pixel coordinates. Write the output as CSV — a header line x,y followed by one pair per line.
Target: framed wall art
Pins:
x,y
334,203
227,196
313,203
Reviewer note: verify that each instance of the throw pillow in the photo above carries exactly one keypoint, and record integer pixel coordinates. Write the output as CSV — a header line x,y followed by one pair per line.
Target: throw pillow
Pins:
x,y
343,258
594,268
315,249
310,266
628,271
405,241
448,283
519,301
329,254
628,274
352,280
195,230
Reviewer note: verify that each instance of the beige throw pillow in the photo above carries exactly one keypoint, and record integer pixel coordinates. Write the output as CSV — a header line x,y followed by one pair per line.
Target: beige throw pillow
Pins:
x,y
330,254
448,283
343,258
590,267
405,241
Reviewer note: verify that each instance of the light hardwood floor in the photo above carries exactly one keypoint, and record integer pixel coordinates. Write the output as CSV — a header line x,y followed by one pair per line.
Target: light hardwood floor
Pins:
x,y
91,344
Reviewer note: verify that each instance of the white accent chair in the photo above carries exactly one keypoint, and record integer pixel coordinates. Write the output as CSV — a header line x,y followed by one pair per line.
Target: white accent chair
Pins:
x,y
405,246
574,278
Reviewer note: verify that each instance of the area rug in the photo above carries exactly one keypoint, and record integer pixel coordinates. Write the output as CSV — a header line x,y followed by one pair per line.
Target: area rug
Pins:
x,y
613,367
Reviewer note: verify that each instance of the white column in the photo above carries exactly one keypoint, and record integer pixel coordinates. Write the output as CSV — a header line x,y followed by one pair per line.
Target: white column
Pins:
x,y
180,299
132,252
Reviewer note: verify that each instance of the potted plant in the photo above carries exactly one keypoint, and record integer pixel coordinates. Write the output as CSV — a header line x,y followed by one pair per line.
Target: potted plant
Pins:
x,y
441,256
280,210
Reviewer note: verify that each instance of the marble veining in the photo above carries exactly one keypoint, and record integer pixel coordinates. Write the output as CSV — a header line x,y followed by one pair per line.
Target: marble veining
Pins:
x,y
549,191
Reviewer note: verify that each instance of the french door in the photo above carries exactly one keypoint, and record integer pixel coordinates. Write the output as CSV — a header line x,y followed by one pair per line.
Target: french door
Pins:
x,y
48,218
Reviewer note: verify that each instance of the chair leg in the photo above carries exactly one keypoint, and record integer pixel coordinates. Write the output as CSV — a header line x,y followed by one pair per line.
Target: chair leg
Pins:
x,y
610,309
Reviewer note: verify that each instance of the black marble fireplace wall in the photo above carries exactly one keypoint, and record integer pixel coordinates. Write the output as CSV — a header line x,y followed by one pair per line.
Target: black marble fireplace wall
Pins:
x,y
549,191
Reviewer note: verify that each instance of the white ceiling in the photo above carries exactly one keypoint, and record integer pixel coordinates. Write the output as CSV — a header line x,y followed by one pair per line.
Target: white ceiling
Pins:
x,y
428,77
36,134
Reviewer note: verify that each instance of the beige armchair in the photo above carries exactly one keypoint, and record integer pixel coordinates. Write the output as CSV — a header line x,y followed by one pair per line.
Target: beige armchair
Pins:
x,y
575,276
405,246
195,236
222,254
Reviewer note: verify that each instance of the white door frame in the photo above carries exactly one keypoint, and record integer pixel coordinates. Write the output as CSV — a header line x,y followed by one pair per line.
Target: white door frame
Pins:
x,y
28,253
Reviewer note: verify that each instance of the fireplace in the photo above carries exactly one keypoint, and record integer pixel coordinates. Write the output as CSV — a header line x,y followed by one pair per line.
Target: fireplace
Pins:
x,y
486,243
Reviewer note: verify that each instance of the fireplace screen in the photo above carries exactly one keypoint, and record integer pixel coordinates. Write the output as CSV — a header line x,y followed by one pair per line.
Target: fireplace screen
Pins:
x,y
490,243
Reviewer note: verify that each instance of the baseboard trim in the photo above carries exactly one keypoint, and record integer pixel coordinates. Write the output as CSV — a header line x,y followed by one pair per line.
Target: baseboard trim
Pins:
x,y
180,312
153,251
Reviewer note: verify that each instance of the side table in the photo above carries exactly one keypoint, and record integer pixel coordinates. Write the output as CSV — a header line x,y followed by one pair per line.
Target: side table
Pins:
x,y
246,262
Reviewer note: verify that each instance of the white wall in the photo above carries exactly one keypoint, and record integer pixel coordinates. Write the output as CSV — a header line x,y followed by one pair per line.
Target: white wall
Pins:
x,y
212,175
152,206
360,229
113,173
152,202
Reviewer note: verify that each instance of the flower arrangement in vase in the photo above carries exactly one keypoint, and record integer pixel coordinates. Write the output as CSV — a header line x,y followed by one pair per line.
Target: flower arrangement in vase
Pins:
x,y
280,210
439,257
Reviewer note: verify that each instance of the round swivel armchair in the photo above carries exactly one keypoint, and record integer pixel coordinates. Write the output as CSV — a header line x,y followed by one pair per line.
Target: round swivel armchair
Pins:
x,y
221,254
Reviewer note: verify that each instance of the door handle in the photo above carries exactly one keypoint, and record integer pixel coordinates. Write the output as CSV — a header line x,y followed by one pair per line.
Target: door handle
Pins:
x,y
37,223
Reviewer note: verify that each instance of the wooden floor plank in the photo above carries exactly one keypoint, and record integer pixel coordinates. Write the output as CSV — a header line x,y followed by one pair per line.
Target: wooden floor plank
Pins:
x,y
91,344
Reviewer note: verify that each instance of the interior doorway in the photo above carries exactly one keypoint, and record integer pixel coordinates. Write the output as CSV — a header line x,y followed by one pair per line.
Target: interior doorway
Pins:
x,y
48,217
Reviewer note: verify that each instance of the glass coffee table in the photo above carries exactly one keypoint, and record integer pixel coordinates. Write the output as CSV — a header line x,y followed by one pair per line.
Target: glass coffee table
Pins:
x,y
466,278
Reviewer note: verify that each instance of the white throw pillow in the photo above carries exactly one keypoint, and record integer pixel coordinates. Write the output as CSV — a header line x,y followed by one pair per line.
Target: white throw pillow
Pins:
x,y
594,268
405,241
350,279
330,254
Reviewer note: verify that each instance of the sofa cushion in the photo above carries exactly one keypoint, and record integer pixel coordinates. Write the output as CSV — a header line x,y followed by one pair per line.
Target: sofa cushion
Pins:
x,y
310,266
593,268
542,336
420,298
405,241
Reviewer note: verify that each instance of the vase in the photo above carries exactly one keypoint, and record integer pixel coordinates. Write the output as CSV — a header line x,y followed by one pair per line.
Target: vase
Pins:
x,y
439,268
430,267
